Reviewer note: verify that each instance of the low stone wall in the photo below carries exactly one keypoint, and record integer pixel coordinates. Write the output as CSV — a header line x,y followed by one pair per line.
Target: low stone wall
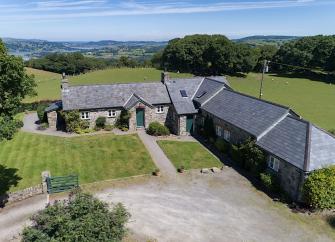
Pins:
x,y
23,194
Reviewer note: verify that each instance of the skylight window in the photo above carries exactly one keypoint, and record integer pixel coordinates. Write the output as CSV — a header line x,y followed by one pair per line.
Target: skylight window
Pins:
x,y
202,94
183,93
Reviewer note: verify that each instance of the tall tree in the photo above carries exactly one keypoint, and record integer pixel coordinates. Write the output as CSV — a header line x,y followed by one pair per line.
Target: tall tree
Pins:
x,y
15,84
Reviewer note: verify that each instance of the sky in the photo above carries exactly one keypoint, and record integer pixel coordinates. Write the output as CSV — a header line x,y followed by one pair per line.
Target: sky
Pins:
x,y
83,20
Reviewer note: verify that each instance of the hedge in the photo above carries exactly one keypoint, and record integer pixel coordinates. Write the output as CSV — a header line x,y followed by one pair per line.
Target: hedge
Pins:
x,y
100,122
157,129
319,188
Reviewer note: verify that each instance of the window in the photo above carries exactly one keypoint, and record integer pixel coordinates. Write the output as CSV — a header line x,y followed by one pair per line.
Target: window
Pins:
x,y
160,109
218,130
226,135
202,94
85,115
183,93
111,113
273,163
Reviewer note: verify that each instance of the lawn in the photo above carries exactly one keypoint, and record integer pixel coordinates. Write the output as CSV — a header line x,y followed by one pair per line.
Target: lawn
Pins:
x,y
93,158
313,100
191,155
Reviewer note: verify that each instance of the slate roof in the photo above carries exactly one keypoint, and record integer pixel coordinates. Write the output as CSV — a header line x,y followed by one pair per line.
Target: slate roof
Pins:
x,y
113,95
183,105
54,107
253,115
208,88
300,143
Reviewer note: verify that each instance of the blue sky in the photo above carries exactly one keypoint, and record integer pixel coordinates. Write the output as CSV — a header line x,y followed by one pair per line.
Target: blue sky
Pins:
x,y
162,20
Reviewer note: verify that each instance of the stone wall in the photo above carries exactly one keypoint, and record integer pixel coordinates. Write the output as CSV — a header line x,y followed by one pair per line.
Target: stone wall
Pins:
x,y
102,113
237,135
21,195
52,119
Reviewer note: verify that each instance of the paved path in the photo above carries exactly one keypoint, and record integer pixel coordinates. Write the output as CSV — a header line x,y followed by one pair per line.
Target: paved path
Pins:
x,y
158,156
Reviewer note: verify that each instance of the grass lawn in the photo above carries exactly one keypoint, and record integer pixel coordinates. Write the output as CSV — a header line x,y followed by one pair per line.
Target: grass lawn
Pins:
x,y
93,158
313,100
191,155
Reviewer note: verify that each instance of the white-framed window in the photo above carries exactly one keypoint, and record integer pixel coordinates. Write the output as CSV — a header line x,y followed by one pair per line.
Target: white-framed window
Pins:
x,y
85,115
160,109
218,130
111,113
226,135
273,163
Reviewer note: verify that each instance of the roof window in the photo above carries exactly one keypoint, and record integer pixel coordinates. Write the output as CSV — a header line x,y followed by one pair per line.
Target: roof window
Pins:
x,y
183,93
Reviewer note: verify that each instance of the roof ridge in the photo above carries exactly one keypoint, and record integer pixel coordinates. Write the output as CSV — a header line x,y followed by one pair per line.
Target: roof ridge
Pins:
x,y
262,100
267,130
307,147
214,94
114,84
196,90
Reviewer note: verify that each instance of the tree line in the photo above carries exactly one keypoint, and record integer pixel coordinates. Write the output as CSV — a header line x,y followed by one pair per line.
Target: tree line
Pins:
x,y
76,63
217,55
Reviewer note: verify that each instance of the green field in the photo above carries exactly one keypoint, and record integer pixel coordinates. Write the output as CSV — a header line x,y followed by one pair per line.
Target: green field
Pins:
x,y
93,158
191,155
313,100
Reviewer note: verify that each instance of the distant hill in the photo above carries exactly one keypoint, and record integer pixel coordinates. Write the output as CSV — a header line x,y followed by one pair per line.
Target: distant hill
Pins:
x,y
266,39
34,48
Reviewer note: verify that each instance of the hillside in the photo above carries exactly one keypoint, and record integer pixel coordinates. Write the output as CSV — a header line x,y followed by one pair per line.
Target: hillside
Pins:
x,y
266,40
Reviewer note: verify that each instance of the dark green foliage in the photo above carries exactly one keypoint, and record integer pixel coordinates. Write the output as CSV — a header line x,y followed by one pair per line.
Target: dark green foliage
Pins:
x,y
73,122
9,127
253,157
33,106
125,61
100,122
332,131
157,129
223,146
209,129
312,52
41,111
69,63
15,85
8,178
81,218
43,126
123,121
209,55
270,181
319,188
236,155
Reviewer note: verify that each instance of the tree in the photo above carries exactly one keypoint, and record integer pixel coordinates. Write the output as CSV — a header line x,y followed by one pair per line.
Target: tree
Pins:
x,y
81,218
15,85
8,178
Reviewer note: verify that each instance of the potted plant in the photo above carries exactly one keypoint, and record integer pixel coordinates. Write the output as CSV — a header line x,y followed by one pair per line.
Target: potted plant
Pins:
x,y
157,172
181,169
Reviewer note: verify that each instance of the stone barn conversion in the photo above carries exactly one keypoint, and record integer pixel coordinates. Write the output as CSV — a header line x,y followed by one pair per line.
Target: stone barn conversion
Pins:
x,y
294,147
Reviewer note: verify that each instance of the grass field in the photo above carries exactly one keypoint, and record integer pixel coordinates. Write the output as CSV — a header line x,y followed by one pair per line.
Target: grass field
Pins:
x,y
313,100
93,158
191,155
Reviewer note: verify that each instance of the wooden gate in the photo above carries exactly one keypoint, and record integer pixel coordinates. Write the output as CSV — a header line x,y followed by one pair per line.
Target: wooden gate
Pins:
x,y
58,184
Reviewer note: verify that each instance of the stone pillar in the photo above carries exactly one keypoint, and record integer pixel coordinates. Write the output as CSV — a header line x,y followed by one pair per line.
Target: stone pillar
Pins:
x,y
44,176
52,119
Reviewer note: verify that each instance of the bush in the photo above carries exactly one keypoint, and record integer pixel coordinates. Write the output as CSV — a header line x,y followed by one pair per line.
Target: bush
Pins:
x,y
73,122
100,122
157,129
8,127
81,218
236,155
270,181
223,146
253,158
319,188
123,121
108,127
41,112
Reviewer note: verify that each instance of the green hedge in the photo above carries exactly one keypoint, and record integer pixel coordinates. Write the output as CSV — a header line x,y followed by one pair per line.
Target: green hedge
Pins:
x,y
223,146
41,112
270,181
73,122
100,122
319,188
157,129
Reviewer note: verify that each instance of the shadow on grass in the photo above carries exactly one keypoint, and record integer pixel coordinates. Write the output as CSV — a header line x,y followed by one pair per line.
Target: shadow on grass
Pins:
x,y
313,76
8,178
331,221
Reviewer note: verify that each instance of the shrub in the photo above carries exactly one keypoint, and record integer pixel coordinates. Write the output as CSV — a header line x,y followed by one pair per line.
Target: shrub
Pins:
x,y
73,122
100,122
319,188
223,146
41,112
123,121
236,155
8,127
80,218
108,127
270,181
253,158
157,129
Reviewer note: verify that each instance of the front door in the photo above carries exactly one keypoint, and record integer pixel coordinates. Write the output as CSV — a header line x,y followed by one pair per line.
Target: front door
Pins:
x,y
140,117
189,123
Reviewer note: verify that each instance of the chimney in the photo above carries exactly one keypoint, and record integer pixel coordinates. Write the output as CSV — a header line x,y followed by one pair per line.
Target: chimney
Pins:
x,y
165,77
65,82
